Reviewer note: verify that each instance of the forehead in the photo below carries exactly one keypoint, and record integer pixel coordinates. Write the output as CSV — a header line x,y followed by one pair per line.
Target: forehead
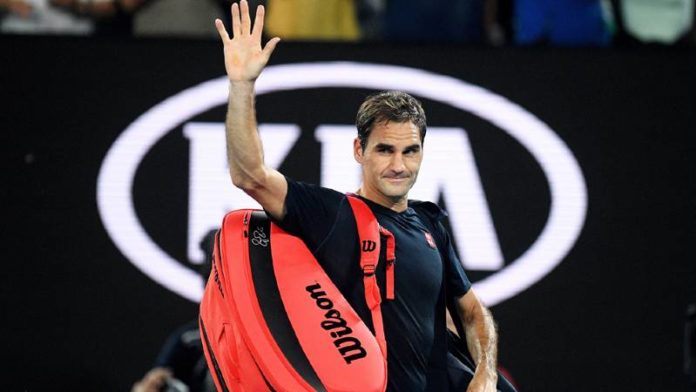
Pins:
x,y
394,133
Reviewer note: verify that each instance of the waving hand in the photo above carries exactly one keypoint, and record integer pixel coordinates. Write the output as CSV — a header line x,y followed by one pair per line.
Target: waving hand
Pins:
x,y
245,58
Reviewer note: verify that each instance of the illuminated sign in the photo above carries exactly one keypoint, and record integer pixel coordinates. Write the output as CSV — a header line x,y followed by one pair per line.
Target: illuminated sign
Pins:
x,y
211,193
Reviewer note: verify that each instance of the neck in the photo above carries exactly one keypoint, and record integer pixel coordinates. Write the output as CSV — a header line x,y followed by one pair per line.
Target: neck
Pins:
x,y
396,205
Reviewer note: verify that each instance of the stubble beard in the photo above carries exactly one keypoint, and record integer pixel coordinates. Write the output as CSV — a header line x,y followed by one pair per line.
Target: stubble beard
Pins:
x,y
396,192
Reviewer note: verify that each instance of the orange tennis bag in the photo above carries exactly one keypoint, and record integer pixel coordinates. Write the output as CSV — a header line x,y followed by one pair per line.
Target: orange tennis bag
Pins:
x,y
272,320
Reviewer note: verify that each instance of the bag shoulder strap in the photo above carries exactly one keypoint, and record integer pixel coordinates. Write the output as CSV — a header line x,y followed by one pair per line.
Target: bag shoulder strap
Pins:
x,y
369,232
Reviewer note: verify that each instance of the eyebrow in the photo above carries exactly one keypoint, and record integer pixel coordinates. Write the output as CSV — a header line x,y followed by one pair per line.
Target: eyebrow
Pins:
x,y
415,147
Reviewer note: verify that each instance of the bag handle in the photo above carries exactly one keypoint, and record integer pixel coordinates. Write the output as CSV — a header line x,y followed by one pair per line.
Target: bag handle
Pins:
x,y
369,232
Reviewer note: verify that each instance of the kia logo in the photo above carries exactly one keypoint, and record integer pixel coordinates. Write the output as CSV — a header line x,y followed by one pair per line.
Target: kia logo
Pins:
x,y
469,216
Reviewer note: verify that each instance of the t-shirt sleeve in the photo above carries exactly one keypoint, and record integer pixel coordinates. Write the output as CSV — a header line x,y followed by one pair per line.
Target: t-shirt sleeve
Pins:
x,y
457,282
310,211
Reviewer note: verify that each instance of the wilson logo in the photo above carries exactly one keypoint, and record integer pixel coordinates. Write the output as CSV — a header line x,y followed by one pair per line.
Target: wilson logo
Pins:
x,y
348,346
368,246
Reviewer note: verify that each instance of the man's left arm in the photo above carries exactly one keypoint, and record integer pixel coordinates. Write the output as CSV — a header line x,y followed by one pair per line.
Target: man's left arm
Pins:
x,y
482,341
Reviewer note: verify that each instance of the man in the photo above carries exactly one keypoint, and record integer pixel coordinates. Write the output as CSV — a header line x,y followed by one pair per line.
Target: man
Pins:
x,y
180,365
389,147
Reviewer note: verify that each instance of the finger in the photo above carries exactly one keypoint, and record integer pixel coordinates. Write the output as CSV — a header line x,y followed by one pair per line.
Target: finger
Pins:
x,y
270,47
221,30
246,20
236,22
163,372
258,22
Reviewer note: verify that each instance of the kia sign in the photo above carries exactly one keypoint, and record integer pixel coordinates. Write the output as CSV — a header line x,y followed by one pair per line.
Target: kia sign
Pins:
x,y
448,172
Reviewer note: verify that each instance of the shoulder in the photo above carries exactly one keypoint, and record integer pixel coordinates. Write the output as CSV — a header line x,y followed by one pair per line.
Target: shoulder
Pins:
x,y
310,211
428,209
304,196
306,189
431,215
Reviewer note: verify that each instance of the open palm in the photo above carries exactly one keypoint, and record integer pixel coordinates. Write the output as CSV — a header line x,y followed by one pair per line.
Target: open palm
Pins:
x,y
245,58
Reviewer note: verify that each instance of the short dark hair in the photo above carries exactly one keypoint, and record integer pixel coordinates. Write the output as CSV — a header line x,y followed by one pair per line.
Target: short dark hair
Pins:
x,y
386,106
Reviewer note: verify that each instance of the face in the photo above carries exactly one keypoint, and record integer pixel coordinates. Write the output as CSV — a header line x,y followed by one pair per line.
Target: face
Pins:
x,y
390,163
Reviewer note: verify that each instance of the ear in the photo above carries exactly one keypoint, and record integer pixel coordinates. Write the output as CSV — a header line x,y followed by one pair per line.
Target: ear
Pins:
x,y
357,151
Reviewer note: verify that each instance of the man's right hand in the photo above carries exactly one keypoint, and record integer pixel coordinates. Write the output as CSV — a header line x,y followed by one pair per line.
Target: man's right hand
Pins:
x,y
245,58
153,381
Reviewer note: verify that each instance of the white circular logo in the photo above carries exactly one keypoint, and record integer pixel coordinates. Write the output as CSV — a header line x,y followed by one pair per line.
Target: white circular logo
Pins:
x,y
566,183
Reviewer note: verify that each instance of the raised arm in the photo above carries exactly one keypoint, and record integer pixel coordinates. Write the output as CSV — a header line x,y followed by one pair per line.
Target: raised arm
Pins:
x,y
245,58
482,341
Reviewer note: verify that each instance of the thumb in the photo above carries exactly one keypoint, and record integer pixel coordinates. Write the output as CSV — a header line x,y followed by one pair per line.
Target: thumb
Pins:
x,y
270,47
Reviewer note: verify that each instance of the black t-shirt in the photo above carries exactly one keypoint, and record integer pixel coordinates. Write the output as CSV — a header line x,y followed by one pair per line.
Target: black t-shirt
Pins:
x,y
414,322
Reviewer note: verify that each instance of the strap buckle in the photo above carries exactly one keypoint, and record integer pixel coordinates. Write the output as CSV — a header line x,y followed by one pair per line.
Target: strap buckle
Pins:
x,y
369,270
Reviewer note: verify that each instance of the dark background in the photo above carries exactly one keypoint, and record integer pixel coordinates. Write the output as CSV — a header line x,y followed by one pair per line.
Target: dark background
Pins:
x,y
76,315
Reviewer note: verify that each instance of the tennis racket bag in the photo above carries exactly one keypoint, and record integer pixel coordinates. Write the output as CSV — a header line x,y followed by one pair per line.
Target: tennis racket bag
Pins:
x,y
272,320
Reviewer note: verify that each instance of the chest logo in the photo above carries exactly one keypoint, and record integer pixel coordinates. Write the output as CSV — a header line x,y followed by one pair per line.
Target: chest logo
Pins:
x,y
429,239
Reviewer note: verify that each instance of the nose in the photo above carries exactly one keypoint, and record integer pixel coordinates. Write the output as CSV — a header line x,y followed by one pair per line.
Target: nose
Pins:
x,y
397,163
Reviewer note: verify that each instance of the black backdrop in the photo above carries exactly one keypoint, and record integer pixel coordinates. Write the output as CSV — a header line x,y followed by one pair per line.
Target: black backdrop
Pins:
x,y
78,316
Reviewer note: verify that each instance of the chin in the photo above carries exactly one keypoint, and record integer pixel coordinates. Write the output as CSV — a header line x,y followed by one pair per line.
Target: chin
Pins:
x,y
396,194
